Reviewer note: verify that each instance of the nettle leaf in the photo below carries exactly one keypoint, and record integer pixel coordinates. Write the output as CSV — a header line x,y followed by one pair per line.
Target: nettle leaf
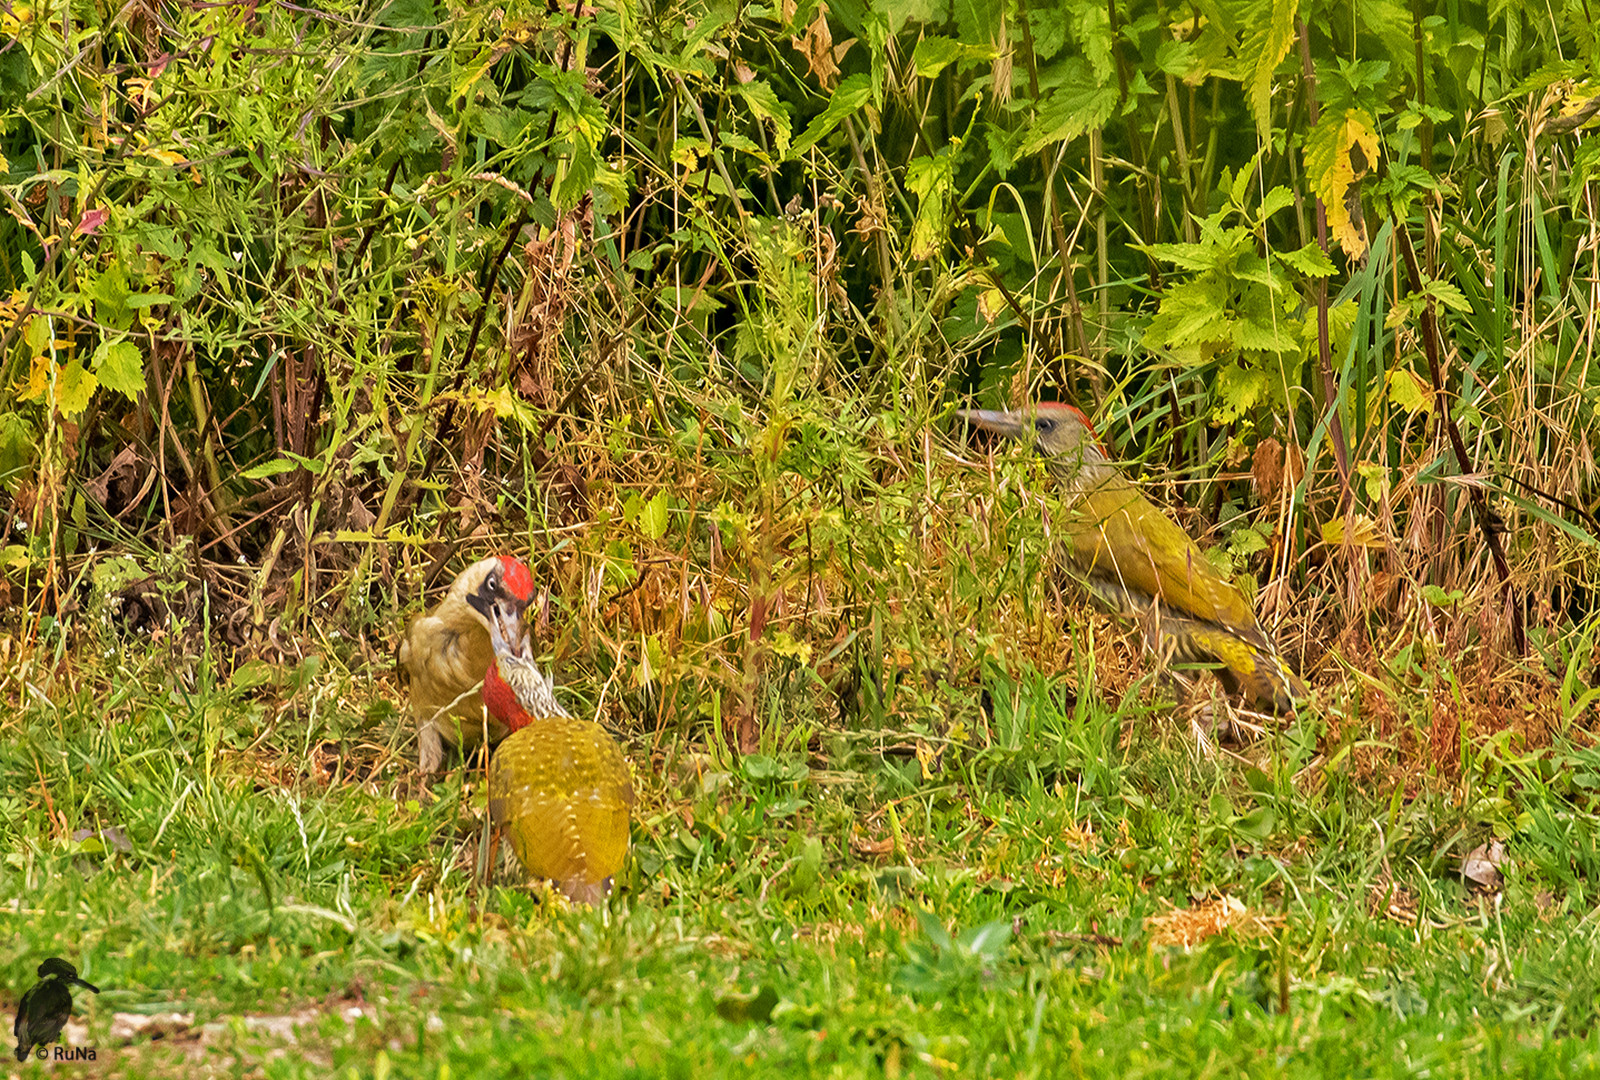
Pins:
x,y
1338,153
109,292
1239,389
1078,103
1310,260
580,176
74,387
1447,294
1392,23
853,93
1256,335
977,20
1409,392
269,468
1279,198
763,101
119,365
1092,23
1049,30
1175,58
930,179
1183,256
1195,313
1268,43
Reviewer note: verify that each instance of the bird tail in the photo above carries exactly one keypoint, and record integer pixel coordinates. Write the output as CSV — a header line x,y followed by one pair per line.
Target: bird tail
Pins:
x,y
1251,669
582,891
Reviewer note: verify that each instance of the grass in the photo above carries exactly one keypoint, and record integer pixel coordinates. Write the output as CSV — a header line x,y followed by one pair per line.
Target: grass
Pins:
x,y
985,903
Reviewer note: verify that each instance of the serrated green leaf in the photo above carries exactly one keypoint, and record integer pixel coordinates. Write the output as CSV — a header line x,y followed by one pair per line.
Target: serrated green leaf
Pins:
x,y
269,468
1447,294
1310,260
1267,45
764,104
853,93
1078,103
1409,392
120,367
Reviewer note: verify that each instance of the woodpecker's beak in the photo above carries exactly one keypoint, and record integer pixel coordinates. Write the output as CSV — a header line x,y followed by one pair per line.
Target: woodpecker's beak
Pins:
x,y
1010,424
507,632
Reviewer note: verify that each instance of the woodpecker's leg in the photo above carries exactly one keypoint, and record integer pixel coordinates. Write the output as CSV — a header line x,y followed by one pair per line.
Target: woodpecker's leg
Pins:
x,y
430,748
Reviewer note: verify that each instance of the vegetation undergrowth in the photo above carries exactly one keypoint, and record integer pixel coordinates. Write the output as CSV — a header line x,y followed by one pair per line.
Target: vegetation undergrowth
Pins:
x,y
1059,885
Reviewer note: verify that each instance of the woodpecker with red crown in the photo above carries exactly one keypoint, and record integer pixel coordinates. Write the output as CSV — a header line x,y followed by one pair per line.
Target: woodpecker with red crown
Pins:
x,y
1139,563
445,652
559,786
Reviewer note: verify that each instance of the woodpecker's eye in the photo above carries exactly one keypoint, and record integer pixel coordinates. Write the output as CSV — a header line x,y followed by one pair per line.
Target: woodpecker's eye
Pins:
x,y
1044,425
492,582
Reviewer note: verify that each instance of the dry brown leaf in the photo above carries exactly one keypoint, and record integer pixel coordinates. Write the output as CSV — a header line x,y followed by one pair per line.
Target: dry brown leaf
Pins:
x,y
817,46
1266,471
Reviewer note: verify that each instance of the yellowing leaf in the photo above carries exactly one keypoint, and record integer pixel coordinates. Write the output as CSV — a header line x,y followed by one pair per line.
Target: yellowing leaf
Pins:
x,y
991,304
653,516
1338,153
1375,479
74,388
931,180
37,334
38,381
1409,392
1363,532
1269,45
784,644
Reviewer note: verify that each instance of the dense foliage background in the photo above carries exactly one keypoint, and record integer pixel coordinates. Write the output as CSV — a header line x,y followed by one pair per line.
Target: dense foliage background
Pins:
x,y
310,305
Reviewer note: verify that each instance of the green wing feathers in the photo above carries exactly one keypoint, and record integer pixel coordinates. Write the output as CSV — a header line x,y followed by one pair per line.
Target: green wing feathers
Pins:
x,y
1116,532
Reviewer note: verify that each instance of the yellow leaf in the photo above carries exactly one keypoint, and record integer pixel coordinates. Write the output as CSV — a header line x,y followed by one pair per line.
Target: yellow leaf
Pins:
x,y
167,157
784,644
1363,532
1339,152
991,303
1376,479
38,380
74,387
1409,392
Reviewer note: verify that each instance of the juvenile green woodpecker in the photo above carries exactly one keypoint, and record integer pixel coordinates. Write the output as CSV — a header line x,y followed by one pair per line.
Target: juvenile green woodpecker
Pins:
x,y
1137,561
558,785
445,652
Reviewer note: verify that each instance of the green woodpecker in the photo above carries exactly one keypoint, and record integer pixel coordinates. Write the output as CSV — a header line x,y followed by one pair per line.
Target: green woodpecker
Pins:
x,y
44,1009
445,652
1137,561
558,785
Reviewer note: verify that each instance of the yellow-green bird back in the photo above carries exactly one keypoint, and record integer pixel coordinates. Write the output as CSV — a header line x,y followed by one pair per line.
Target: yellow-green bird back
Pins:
x,y
558,786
